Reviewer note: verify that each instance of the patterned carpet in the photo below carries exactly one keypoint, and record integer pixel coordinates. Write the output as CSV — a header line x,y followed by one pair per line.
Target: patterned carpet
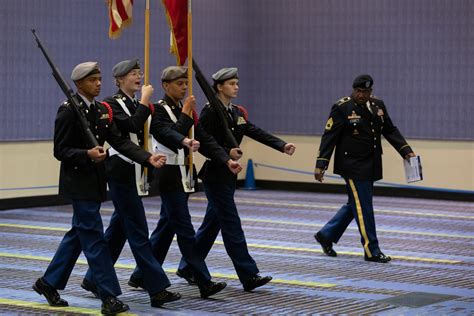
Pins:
x,y
431,243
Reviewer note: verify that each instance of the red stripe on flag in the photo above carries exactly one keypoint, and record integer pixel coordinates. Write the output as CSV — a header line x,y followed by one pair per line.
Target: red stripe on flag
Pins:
x,y
177,14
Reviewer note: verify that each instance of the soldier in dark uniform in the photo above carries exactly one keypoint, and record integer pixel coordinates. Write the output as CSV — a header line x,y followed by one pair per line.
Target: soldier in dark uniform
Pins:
x,y
220,184
355,127
82,179
128,222
169,127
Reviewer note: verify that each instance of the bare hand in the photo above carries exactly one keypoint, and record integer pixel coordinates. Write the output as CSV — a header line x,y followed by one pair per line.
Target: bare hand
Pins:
x,y
157,160
192,144
97,154
235,153
289,149
189,105
234,166
410,155
319,174
147,91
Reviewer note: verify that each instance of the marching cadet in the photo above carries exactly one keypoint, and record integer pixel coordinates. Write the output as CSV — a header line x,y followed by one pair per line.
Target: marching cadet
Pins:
x,y
169,127
354,127
82,179
128,222
220,184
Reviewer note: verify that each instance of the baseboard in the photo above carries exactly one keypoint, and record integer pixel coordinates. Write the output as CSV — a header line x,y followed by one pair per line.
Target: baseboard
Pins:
x,y
32,201
378,190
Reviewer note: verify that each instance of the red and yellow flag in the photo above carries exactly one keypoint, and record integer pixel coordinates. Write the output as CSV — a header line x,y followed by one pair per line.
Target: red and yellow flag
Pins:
x,y
120,14
177,15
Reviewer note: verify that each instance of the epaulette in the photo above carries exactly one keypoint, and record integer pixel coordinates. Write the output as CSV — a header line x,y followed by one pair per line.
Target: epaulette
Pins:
x,y
161,102
118,96
343,100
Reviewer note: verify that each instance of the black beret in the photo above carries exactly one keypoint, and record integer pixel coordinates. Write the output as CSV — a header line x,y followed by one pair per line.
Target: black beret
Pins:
x,y
363,82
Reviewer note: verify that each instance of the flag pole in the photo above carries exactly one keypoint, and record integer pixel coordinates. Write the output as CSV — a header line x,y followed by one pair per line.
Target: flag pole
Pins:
x,y
190,85
146,79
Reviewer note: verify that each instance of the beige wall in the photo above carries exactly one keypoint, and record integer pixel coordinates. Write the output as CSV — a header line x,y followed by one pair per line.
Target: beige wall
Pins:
x,y
446,164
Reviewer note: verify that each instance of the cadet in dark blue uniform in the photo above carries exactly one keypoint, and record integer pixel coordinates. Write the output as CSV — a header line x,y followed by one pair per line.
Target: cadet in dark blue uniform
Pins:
x,y
220,184
82,179
169,127
355,127
128,222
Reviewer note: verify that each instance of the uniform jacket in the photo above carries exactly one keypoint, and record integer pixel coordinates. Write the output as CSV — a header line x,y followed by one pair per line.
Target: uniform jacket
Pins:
x,y
171,134
80,177
356,134
240,127
115,167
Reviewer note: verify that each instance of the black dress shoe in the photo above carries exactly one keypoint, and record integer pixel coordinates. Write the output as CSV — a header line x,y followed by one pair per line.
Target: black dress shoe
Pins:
x,y
255,282
378,258
112,305
187,275
136,282
211,289
325,244
49,292
90,287
163,297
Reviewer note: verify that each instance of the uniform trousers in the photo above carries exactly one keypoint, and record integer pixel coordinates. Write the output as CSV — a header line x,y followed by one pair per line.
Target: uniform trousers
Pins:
x,y
128,222
360,207
222,215
175,219
87,235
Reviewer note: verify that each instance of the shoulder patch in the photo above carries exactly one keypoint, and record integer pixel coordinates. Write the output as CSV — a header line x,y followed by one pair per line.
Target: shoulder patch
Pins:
x,y
117,96
244,111
343,100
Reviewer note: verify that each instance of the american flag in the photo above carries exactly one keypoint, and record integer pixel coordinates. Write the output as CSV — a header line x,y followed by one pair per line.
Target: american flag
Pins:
x,y
120,14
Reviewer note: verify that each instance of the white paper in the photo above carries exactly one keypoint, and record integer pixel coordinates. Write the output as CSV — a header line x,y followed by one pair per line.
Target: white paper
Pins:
x,y
413,171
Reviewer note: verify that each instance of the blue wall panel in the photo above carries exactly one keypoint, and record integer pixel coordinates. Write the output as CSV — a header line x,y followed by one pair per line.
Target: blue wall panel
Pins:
x,y
295,58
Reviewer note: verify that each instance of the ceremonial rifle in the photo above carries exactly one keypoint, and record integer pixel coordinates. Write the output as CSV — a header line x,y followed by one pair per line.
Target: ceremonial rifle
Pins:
x,y
72,98
216,103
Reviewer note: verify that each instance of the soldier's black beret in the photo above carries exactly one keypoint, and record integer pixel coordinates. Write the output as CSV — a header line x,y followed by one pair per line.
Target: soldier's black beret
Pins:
x,y
363,82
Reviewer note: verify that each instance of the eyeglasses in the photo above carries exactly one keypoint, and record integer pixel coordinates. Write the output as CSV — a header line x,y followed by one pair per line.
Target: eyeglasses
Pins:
x,y
136,73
